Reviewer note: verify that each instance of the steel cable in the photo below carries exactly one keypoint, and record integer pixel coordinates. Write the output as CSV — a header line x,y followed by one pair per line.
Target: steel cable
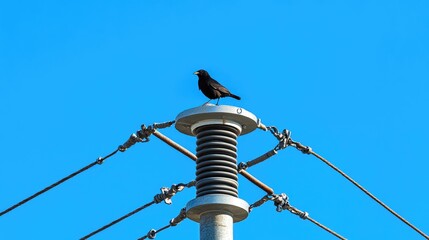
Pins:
x,y
310,151
285,140
152,233
141,136
118,220
98,161
281,201
326,228
173,222
165,195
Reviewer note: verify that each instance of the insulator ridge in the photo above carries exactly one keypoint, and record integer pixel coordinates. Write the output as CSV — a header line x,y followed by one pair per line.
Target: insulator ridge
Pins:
x,y
217,160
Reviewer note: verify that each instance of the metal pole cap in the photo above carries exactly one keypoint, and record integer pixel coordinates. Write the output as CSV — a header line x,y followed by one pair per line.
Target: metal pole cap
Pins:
x,y
222,114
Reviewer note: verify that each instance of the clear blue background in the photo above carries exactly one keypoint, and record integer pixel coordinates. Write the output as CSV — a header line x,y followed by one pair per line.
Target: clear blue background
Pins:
x,y
348,78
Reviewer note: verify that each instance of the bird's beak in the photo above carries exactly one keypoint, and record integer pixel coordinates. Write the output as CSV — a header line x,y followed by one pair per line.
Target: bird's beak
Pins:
x,y
196,73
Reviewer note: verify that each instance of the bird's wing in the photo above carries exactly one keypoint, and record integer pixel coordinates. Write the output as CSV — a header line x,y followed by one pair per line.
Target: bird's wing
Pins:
x,y
217,86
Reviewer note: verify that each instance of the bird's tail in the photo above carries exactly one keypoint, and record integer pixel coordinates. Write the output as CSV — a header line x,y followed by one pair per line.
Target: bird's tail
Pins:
x,y
234,96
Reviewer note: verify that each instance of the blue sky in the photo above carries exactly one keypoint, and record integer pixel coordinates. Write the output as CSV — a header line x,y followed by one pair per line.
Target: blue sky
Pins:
x,y
348,78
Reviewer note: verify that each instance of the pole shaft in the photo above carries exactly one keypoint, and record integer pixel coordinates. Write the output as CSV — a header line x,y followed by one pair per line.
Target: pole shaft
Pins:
x,y
216,225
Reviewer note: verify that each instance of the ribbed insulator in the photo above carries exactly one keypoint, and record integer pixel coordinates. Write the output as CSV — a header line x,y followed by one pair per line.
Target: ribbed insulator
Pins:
x,y
217,160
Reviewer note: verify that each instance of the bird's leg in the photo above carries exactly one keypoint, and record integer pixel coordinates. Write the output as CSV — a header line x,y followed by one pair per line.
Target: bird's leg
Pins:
x,y
207,102
217,103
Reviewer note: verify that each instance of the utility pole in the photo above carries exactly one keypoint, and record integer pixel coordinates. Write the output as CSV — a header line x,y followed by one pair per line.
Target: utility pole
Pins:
x,y
217,205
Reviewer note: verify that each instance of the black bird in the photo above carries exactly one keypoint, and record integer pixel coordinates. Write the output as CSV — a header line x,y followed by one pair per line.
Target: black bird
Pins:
x,y
212,88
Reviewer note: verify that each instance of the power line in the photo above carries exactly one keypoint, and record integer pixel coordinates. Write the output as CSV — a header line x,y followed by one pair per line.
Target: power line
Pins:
x,y
281,201
141,136
281,204
118,220
98,161
165,195
369,194
173,222
285,140
325,228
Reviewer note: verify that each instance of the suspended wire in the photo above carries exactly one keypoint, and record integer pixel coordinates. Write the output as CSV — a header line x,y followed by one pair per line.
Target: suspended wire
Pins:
x,y
152,233
326,228
118,220
305,216
369,194
281,201
173,222
98,161
308,150
141,136
165,195
285,140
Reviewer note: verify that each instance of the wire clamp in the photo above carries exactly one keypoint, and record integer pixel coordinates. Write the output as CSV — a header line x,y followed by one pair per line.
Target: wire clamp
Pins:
x,y
143,134
133,139
151,234
163,125
100,160
189,184
283,137
281,202
179,218
300,147
303,215
261,201
167,193
242,166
